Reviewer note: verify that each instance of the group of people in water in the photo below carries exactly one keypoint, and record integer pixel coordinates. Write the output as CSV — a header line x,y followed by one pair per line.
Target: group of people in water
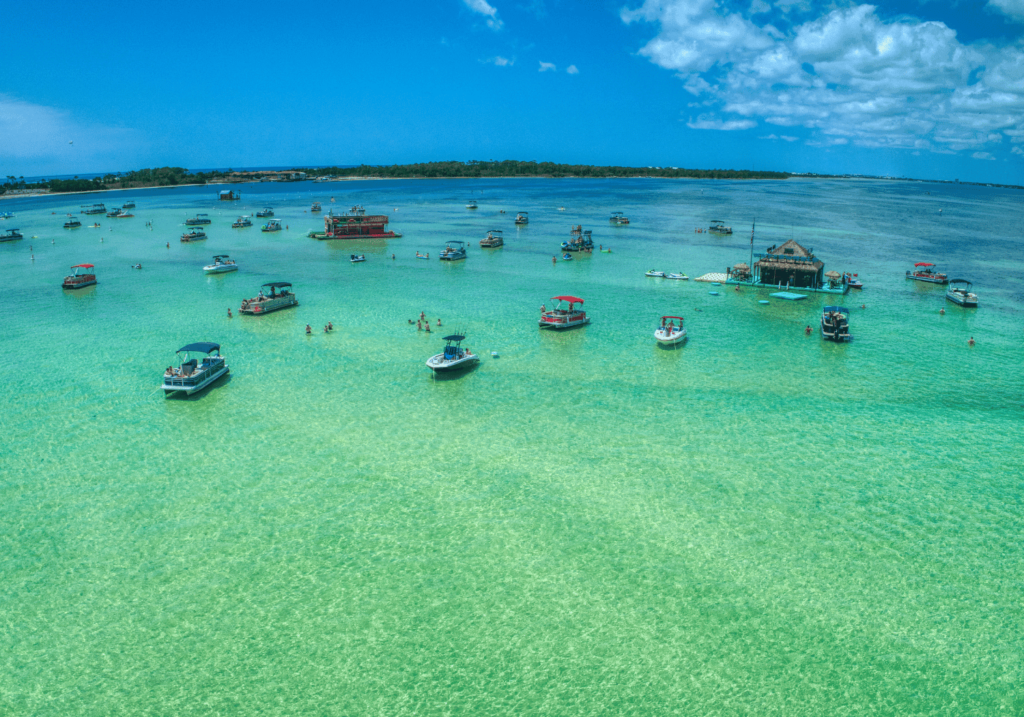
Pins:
x,y
309,329
423,323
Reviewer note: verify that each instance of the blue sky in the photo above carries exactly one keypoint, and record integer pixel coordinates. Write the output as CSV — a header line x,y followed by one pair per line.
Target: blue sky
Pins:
x,y
916,88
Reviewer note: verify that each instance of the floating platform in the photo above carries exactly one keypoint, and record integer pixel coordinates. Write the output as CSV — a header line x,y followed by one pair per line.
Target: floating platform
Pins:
x,y
712,278
788,296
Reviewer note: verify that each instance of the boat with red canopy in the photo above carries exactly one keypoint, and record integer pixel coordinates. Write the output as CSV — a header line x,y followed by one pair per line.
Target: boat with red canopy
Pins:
x,y
925,271
670,333
81,276
564,315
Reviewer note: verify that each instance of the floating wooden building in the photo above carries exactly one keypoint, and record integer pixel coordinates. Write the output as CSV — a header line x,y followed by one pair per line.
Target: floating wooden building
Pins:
x,y
228,195
788,266
356,224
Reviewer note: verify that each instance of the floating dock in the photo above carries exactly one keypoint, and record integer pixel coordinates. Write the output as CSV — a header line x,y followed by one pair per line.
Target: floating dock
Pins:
x,y
788,296
713,277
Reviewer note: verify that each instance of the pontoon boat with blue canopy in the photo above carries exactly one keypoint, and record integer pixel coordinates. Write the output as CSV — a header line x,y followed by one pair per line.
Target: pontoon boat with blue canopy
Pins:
x,y
194,374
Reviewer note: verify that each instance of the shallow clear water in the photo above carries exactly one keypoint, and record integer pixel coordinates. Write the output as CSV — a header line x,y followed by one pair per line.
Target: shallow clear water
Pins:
x,y
756,523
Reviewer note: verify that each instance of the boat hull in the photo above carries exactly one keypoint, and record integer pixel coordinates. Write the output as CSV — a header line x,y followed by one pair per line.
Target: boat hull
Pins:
x,y
669,339
188,389
79,284
259,308
963,301
928,279
453,257
221,269
559,324
437,364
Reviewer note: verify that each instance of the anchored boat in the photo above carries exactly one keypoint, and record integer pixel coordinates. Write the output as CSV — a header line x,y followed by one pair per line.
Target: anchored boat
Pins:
x,y
265,212
272,226
194,235
471,204
11,235
241,223
925,271
618,218
72,223
654,272
718,227
356,258
221,265
194,374
493,240
835,324
959,292
523,218
355,224
454,357
565,315
93,209
670,333
130,204
316,207
80,277
453,251
276,297
198,220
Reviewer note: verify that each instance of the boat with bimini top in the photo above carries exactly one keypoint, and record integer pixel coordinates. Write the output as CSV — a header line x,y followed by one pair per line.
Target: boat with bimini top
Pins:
x,y
316,207
618,218
959,292
72,223
835,324
82,275
11,235
925,271
198,220
94,209
130,204
565,315
454,357
493,239
193,374
221,265
718,227
453,251
241,223
522,218
670,333
272,226
276,297
193,236
265,212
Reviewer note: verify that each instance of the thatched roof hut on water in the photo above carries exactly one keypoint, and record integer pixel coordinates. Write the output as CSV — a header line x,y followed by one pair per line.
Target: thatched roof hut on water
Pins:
x,y
788,265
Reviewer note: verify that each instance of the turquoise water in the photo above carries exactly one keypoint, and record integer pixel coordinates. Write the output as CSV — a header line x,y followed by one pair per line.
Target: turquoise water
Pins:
x,y
757,523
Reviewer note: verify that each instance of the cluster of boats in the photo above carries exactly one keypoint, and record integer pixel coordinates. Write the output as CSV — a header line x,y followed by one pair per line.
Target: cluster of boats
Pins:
x,y
958,290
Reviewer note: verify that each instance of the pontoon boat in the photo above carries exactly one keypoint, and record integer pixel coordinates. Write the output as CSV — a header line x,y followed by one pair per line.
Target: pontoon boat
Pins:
x,y
522,218
493,239
197,220
959,292
453,251
272,226
194,235
925,271
241,223
265,212
277,297
192,374
81,276
11,235
619,218
718,227
72,223
564,315
835,323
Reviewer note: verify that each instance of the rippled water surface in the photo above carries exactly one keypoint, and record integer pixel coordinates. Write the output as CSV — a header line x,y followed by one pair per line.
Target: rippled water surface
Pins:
x,y
756,523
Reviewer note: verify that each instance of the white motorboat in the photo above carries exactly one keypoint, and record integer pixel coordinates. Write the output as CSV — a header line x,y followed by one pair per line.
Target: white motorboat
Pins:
x,y
681,277
959,292
454,357
221,265
670,333
659,274
565,315
194,374
356,258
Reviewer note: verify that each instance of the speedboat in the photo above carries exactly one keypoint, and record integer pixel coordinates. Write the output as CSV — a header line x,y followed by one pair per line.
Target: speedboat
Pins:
x,y
959,292
619,218
272,226
670,333
565,315
11,235
835,324
194,235
652,272
197,220
221,265
853,282
718,227
493,239
276,297
121,214
81,276
113,212
72,223
454,357
265,212
453,251
356,258
241,223
195,374
316,207
471,204
523,218
673,275
925,271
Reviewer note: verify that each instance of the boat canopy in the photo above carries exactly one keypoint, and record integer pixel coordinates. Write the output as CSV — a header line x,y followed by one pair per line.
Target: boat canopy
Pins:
x,y
220,256
495,231
204,346
717,221
842,309
455,337
82,266
960,281
277,284
455,242
671,317
833,274
924,263
570,299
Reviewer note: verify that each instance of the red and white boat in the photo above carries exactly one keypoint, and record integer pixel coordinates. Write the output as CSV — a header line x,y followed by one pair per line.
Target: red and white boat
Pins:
x,y
564,315
670,333
81,276
925,271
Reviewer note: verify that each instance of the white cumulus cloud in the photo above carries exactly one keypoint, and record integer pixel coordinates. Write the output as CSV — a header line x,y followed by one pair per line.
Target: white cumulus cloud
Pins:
x,y
982,155
1011,8
547,66
571,69
484,8
712,122
501,61
846,74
